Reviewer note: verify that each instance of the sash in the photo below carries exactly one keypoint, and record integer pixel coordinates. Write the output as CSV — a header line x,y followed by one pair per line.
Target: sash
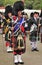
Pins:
x,y
18,25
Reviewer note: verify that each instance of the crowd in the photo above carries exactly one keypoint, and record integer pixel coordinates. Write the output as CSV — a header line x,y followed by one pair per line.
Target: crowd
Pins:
x,y
15,26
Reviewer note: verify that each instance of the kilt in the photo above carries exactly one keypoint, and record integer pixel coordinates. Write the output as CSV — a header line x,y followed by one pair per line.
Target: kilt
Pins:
x,y
15,44
33,36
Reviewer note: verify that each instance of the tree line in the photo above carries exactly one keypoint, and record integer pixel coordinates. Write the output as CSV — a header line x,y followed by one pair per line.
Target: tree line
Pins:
x,y
31,4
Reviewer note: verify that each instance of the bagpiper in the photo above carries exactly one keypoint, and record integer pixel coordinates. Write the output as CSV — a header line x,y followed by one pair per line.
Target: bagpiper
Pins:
x,y
41,25
18,32
7,27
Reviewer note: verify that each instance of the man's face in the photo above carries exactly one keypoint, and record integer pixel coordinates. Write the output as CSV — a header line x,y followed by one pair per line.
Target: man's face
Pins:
x,y
19,13
36,15
9,14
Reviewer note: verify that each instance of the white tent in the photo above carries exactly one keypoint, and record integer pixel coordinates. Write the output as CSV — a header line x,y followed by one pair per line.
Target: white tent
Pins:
x,y
30,11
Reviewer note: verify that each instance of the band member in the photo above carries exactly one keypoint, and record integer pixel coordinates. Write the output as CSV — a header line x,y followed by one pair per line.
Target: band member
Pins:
x,y
26,21
7,26
41,25
33,30
1,22
19,39
41,29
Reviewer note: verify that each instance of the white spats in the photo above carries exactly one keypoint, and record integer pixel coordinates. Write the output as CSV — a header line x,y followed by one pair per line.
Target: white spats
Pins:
x,y
9,49
15,59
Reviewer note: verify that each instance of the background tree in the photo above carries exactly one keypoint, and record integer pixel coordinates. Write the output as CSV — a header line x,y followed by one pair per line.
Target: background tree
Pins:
x,y
36,4
1,2
31,4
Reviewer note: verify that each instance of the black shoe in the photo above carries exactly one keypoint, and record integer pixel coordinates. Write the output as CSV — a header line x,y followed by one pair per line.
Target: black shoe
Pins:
x,y
9,51
21,62
36,49
16,63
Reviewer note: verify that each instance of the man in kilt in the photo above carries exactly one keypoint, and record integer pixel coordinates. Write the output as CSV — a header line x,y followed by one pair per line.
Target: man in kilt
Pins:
x,y
7,27
18,29
33,30
41,25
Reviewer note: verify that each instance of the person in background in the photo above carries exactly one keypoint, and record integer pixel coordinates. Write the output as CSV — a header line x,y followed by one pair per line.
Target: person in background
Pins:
x,y
31,15
7,27
1,21
26,21
41,25
33,29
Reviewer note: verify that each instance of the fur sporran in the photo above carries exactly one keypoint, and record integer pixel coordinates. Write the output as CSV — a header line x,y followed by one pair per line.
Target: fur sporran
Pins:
x,y
20,42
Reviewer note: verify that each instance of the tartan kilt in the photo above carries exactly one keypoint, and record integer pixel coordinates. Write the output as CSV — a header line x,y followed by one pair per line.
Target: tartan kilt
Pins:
x,y
33,36
14,41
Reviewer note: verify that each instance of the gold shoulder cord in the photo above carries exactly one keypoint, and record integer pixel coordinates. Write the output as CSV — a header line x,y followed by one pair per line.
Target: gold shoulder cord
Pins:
x,y
8,20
